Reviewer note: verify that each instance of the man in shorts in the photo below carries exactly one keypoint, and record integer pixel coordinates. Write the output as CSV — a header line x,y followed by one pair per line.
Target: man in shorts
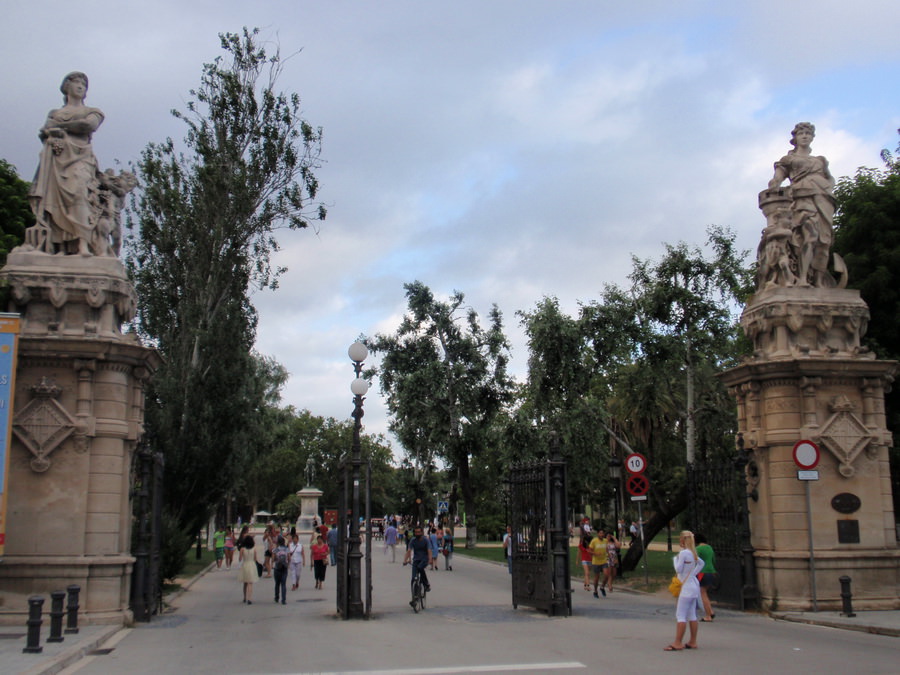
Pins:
x,y
219,546
599,560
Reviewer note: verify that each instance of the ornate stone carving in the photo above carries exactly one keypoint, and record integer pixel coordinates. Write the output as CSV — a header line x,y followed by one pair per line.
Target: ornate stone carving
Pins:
x,y
797,322
69,295
845,435
43,424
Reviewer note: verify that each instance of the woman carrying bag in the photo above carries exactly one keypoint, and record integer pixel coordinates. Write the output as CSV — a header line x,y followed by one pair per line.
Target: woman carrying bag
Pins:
x,y
687,566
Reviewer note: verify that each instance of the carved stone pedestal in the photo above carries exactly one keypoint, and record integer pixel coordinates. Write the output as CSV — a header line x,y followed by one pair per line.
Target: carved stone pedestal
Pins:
x,y
809,379
309,509
78,415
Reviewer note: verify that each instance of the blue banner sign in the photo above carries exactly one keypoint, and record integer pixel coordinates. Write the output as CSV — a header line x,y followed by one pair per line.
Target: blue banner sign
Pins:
x,y
9,342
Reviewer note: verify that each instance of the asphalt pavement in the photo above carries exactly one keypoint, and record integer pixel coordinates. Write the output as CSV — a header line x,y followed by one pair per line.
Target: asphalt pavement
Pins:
x,y
469,625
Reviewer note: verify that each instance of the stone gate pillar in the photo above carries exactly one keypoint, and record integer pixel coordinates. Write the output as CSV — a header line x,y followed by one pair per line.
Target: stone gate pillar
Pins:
x,y
810,378
78,415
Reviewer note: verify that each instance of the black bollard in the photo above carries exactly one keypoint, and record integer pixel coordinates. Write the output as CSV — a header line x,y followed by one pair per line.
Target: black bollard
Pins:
x,y
33,643
72,608
56,616
846,597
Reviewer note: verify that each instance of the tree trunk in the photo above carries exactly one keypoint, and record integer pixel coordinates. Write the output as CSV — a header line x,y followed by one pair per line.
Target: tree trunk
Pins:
x,y
666,512
465,484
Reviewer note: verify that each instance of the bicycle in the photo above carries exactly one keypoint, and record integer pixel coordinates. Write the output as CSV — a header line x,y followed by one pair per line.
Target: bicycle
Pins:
x,y
418,590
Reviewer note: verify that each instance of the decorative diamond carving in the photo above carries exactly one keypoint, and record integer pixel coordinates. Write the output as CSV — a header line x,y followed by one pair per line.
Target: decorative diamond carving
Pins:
x,y
845,435
43,424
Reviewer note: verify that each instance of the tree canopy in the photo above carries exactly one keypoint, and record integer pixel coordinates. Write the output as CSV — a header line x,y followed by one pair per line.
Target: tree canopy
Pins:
x,y
867,236
15,212
444,378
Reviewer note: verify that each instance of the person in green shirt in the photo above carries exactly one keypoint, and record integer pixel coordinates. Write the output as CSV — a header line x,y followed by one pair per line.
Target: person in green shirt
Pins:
x,y
219,545
710,575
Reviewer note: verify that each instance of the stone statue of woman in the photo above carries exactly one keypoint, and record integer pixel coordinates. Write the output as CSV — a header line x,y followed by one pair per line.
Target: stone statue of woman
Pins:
x,y
812,207
64,194
77,208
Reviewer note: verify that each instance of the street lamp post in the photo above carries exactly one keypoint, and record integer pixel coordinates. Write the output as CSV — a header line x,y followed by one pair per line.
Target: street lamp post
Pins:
x,y
359,387
615,472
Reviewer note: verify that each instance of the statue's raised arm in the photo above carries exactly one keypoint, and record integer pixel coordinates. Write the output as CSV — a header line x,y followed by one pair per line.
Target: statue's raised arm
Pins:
x,y
76,207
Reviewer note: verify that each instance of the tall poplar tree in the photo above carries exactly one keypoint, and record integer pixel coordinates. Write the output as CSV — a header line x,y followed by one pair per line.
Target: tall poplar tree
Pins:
x,y
203,231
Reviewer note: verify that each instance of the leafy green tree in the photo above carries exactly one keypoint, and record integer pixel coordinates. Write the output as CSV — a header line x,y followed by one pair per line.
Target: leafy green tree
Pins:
x,y
667,402
559,397
445,381
203,232
867,236
15,213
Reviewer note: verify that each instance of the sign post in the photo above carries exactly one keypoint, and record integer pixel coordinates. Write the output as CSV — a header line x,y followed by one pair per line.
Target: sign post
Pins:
x,y
9,343
637,486
806,457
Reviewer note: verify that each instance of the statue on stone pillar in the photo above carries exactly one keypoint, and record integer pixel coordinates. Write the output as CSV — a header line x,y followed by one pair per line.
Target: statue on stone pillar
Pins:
x,y
310,472
812,208
76,206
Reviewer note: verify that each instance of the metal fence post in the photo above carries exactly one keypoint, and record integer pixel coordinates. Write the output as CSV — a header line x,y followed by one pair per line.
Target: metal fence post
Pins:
x,y
72,608
33,641
56,616
846,597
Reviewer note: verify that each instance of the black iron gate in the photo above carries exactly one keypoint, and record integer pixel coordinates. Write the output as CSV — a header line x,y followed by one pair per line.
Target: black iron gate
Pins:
x,y
146,586
718,509
539,540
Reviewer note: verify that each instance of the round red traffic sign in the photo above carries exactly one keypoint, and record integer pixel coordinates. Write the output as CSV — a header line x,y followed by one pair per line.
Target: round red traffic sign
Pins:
x,y
637,485
806,454
635,463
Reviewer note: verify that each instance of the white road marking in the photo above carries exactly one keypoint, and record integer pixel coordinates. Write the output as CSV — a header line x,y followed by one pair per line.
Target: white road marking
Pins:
x,y
499,668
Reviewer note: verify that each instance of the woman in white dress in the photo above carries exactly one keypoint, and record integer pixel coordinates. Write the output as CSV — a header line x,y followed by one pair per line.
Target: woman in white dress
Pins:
x,y
249,573
687,566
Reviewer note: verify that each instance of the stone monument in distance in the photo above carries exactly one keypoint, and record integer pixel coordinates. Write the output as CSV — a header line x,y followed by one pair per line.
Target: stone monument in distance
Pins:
x,y
810,378
79,405
309,501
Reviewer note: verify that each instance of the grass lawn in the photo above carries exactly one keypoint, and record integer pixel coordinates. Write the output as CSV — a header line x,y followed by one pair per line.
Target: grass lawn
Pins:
x,y
659,566
192,567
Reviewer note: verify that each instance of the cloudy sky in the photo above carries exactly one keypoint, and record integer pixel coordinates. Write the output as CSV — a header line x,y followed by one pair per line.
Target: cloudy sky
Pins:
x,y
510,149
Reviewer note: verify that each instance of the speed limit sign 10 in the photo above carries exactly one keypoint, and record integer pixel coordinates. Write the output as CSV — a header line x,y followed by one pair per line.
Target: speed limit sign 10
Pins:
x,y
635,463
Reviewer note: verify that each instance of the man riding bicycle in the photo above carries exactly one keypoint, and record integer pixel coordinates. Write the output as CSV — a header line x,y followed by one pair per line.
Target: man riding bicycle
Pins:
x,y
419,549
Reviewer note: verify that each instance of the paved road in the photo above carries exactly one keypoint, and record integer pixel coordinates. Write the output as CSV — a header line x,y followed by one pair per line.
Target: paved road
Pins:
x,y
469,626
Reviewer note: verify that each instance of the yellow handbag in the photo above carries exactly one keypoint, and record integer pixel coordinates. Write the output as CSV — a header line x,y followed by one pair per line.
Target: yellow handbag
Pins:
x,y
675,586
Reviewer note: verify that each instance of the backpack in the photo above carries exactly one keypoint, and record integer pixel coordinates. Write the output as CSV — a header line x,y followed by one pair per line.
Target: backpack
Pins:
x,y
281,558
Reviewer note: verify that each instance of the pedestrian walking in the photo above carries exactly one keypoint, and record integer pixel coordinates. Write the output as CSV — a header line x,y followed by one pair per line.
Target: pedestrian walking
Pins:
x,y
599,561
709,579
507,548
612,559
687,565
584,548
435,548
229,547
390,540
269,543
298,560
319,560
448,550
249,573
281,559
332,540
